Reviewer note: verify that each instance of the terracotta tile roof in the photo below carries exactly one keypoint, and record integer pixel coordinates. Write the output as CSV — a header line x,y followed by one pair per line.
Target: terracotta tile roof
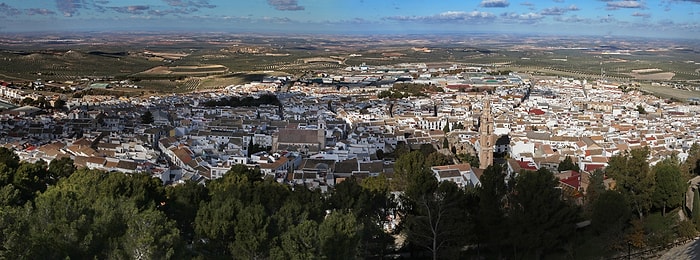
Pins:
x,y
592,167
526,165
372,167
80,161
82,142
184,154
298,136
279,162
96,160
463,167
346,166
127,165
572,181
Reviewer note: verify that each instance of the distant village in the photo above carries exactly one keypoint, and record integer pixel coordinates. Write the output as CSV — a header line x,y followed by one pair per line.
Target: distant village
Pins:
x,y
332,126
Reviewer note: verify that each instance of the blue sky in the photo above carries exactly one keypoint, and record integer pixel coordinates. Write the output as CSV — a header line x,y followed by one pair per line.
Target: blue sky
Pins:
x,y
659,19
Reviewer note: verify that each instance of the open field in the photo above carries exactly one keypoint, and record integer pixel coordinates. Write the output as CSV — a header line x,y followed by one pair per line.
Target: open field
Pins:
x,y
193,71
167,55
669,92
653,76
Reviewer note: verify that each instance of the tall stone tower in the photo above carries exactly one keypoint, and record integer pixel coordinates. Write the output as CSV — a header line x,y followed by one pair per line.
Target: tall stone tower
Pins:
x,y
486,136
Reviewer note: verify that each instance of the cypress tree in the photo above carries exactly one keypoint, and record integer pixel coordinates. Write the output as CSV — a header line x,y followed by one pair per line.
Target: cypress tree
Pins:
x,y
696,208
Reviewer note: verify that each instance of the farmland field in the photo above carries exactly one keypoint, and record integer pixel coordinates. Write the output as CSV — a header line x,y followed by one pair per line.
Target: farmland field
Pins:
x,y
194,71
669,92
180,63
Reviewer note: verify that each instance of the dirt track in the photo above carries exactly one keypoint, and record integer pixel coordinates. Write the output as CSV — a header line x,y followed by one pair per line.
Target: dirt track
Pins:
x,y
687,251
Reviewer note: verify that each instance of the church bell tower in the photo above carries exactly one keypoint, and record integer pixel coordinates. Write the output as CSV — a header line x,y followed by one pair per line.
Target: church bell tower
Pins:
x,y
486,143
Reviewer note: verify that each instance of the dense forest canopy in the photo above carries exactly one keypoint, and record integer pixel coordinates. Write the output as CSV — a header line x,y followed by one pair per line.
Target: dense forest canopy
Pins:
x,y
55,211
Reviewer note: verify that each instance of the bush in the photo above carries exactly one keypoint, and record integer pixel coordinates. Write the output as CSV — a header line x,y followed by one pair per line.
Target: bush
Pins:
x,y
686,229
659,229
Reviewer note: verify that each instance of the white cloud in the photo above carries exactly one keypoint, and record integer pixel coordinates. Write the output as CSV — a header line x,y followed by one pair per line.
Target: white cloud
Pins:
x,y
614,5
494,3
558,10
638,14
572,19
447,17
285,5
522,18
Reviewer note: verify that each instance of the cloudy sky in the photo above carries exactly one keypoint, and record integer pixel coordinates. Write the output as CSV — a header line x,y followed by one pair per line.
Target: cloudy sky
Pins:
x,y
658,18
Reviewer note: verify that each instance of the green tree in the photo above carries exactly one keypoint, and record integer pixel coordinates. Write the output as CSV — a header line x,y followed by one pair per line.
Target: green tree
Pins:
x,y
251,233
30,179
9,158
90,214
401,149
339,236
437,159
10,196
7,174
146,192
64,226
378,184
669,188
469,158
15,242
634,179
686,229
216,218
696,208
252,175
611,213
691,166
427,149
407,167
438,219
491,228
61,168
151,235
182,203
300,242
541,220
370,206
391,109
254,148
147,117
446,129
567,164
214,225
596,187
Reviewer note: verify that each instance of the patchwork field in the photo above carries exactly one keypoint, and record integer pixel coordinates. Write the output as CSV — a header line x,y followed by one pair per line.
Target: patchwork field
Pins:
x,y
215,61
193,71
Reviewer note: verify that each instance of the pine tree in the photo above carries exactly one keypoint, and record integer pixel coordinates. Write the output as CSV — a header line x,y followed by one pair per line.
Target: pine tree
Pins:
x,y
567,164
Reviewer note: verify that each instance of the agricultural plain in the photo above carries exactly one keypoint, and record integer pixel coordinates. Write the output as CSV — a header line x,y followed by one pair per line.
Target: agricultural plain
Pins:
x,y
182,63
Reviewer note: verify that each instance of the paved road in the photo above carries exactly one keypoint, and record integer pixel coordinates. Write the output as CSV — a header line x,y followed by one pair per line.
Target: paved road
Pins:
x,y
687,251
